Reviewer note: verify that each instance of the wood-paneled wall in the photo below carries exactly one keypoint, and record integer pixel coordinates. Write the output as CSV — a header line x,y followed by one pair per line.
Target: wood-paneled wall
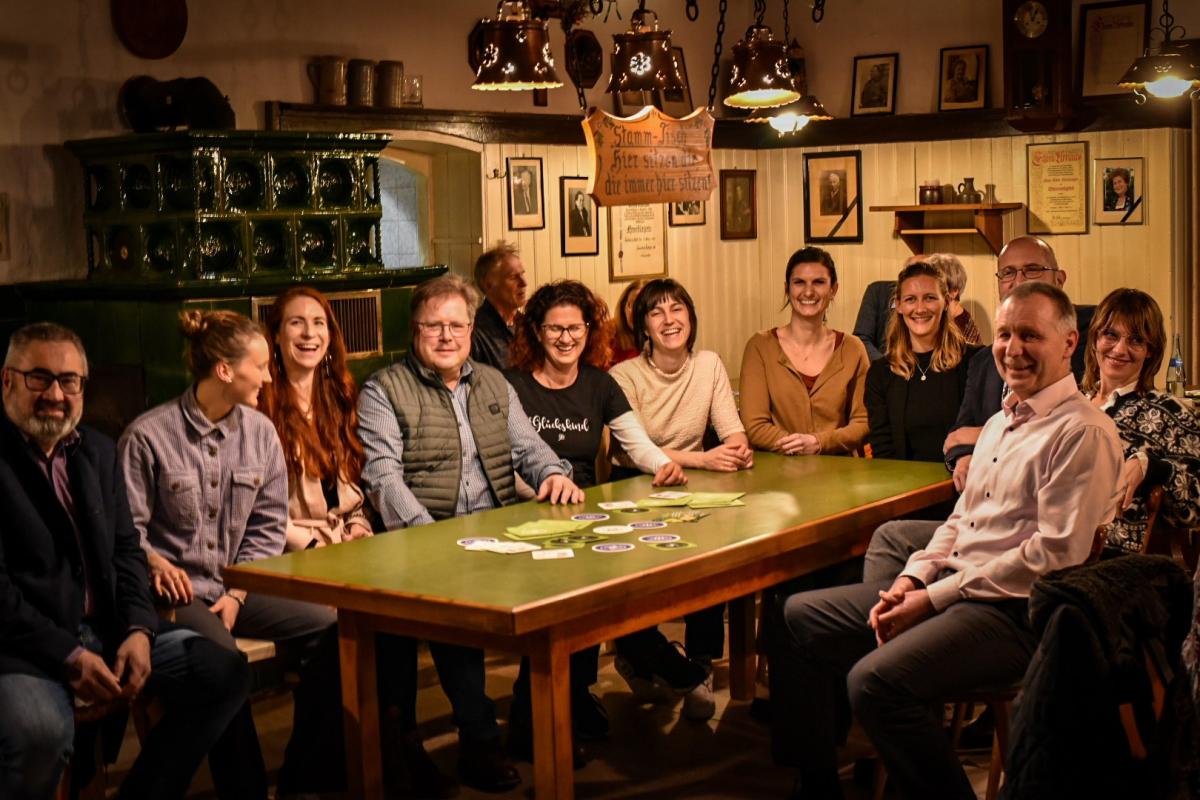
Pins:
x,y
738,286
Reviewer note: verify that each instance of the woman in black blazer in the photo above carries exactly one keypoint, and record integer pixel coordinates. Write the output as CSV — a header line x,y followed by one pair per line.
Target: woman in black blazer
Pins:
x,y
914,391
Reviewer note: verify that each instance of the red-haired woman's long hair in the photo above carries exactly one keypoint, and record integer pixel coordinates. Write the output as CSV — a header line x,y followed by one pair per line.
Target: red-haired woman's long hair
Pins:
x,y
329,441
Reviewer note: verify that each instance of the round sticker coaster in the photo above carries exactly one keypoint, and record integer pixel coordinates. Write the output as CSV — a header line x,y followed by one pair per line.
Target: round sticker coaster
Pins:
x,y
612,530
634,510
476,540
655,538
613,547
647,525
590,517
583,538
678,545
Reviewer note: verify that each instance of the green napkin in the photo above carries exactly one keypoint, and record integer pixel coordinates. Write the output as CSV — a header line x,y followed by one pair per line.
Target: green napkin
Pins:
x,y
541,528
715,499
659,502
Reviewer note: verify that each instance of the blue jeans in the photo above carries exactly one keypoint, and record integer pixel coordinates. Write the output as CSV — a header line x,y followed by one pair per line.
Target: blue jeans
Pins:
x,y
201,687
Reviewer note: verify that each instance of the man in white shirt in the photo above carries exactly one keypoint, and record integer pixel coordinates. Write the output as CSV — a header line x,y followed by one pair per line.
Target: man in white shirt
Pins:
x,y
1045,475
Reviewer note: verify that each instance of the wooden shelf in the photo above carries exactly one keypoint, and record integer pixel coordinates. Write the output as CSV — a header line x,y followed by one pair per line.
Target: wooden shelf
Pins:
x,y
988,220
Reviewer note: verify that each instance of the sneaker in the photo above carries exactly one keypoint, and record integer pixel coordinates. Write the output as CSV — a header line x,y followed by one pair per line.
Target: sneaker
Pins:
x,y
671,666
642,685
699,704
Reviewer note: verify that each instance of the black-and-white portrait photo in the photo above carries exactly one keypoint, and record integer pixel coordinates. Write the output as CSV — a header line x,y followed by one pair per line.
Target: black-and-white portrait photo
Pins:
x,y
833,193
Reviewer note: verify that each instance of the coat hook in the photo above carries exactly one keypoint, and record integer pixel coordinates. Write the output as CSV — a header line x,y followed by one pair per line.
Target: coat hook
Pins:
x,y
497,174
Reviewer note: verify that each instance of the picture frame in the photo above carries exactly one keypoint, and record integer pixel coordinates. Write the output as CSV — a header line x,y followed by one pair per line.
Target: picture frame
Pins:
x,y
676,102
873,89
1056,187
1111,36
526,199
960,91
637,242
1111,205
579,217
739,204
833,207
691,212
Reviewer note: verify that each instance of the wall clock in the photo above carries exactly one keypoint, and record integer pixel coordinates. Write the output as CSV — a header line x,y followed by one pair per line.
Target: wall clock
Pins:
x,y
1039,94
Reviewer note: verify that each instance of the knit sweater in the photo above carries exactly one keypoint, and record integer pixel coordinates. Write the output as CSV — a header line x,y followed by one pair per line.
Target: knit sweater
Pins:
x,y
676,408
776,402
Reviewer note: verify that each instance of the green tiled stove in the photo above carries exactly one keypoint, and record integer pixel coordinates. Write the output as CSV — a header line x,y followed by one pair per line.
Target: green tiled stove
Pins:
x,y
220,219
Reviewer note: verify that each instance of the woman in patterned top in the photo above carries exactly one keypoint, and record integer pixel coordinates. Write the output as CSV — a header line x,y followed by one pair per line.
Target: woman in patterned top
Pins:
x,y
1160,434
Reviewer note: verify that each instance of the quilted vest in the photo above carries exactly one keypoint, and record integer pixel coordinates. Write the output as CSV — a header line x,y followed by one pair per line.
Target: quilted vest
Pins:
x,y
432,452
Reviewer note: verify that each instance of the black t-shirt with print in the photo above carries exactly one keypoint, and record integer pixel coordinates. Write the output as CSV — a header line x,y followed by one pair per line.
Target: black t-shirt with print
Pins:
x,y
570,420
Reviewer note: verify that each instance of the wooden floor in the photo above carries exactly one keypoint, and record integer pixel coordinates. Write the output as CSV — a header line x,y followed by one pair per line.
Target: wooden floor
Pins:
x,y
652,752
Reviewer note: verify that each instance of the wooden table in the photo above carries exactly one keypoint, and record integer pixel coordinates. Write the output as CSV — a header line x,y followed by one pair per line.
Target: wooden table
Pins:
x,y
801,514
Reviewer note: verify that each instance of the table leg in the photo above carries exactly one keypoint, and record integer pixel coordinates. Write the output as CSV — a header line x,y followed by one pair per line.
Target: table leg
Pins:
x,y
553,766
741,648
360,705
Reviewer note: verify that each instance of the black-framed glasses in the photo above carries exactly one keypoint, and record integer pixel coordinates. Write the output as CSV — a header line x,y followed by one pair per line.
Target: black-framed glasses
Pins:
x,y
39,380
1031,272
575,331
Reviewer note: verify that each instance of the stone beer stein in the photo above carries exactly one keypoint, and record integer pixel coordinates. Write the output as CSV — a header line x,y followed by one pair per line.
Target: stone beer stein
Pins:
x,y
362,82
931,194
967,193
989,193
328,76
390,84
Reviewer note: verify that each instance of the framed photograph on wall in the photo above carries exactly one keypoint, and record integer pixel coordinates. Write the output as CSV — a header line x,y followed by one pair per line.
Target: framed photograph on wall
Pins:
x,y
739,211
580,217
874,84
1119,191
637,242
833,197
676,102
1056,187
1111,36
689,212
963,78
526,200
626,104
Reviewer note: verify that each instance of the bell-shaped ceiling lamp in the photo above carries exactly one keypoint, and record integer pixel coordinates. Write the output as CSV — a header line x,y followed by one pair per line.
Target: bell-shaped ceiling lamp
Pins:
x,y
514,52
760,76
1171,71
792,117
643,60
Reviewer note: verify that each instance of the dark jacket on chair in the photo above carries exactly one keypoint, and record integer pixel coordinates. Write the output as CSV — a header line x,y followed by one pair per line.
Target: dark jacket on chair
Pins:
x,y
41,566
1110,638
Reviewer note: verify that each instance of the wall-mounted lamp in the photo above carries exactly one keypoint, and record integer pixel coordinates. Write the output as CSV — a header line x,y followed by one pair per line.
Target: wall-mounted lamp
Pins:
x,y
643,60
1170,72
513,52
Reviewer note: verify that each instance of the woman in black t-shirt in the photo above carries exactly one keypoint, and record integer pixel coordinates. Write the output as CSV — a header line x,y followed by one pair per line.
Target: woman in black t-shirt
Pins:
x,y
560,343
914,391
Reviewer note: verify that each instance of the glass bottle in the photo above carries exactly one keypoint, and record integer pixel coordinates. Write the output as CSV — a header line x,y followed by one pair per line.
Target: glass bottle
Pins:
x,y
1176,377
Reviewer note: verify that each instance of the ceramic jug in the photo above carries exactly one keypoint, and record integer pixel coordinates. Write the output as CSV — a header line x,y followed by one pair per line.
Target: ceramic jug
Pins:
x,y
390,84
967,192
328,76
361,75
931,194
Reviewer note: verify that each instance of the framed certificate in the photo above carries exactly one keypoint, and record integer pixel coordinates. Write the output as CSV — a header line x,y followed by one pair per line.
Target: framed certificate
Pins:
x,y
637,243
1056,173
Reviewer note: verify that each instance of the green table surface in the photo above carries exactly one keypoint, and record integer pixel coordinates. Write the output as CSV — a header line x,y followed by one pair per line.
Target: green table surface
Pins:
x,y
424,564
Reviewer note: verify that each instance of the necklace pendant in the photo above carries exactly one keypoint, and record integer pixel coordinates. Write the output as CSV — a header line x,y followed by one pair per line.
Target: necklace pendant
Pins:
x,y
922,379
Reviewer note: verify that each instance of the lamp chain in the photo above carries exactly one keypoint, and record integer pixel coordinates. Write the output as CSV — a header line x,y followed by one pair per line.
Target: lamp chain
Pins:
x,y
716,67
1167,22
818,10
692,10
760,11
787,25
595,6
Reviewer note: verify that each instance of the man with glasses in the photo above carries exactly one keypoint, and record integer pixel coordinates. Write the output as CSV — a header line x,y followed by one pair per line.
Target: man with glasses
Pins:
x,y
437,402
500,275
77,625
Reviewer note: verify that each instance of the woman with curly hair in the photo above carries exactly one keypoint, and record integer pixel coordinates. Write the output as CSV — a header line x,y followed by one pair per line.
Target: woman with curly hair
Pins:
x,y
561,342
1159,434
313,402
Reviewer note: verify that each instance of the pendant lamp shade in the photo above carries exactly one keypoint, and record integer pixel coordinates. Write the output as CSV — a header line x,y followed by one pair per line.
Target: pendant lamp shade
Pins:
x,y
514,52
1171,72
642,59
792,117
760,76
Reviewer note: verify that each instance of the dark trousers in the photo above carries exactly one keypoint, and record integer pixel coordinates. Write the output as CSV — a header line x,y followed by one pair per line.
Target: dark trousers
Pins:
x,y
832,665
305,635
703,637
584,668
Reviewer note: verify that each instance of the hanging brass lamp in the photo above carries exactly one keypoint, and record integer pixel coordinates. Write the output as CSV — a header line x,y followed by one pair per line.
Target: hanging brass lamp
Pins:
x,y
514,52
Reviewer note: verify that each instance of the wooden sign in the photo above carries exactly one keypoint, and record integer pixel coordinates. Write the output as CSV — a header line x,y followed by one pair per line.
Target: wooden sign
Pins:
x,y
650,157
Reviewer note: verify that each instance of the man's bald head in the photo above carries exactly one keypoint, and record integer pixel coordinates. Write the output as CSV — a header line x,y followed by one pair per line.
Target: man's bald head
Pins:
x,y
1027,258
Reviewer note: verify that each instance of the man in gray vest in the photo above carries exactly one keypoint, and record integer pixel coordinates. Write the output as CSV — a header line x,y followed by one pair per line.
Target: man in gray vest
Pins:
x,y
442,436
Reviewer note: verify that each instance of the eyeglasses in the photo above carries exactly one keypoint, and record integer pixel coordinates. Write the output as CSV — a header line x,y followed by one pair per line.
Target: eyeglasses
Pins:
x,y
1031,272
1111,337
575,331
432,330
39,380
